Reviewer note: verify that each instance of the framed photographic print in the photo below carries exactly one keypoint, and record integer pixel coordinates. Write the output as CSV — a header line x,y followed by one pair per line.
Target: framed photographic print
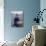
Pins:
x,y
17,19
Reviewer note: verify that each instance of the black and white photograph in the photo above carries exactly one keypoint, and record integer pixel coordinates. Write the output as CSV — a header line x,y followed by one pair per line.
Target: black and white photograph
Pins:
x,y
17,19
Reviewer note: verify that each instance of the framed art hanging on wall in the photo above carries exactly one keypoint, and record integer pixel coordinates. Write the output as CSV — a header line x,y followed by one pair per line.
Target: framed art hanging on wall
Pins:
x,y
17,19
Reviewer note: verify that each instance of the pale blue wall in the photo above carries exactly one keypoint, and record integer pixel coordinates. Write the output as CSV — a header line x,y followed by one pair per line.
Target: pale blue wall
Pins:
x,y
43,6
29,7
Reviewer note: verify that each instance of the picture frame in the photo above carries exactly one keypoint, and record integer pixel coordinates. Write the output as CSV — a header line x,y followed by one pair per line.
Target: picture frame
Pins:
x,y
17,19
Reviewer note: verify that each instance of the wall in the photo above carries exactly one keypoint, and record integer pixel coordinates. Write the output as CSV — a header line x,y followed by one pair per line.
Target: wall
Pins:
x,y
43,6
29,7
